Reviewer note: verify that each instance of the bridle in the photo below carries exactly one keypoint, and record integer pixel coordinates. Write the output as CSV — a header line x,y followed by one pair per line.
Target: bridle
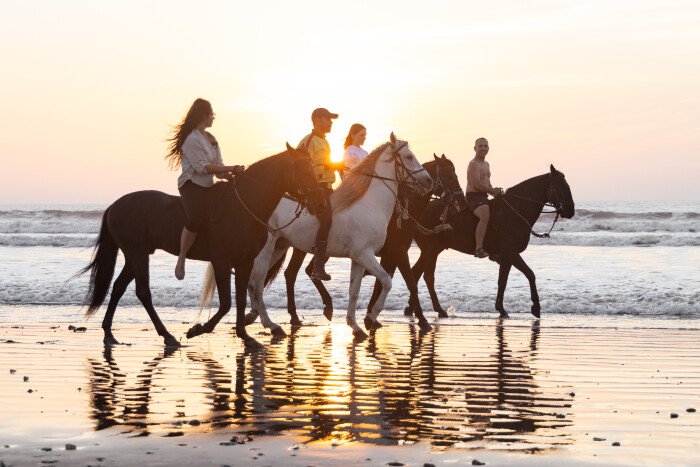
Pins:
x,y
553,201
403,175
300,194
446,195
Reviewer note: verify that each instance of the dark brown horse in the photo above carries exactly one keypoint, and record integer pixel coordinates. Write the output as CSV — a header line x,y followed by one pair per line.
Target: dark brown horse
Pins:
x,y
394,253
143,221
512,218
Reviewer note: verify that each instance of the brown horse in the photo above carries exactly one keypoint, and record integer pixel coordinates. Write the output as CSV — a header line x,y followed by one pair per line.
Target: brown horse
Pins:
x,y
143,221
512,218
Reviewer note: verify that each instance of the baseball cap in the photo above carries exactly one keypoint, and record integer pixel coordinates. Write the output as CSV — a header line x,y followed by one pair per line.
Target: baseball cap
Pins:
x,y
321,112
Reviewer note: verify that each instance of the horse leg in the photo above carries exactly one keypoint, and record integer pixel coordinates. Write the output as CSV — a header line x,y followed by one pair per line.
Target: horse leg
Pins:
x,y
503,272
139,264
357,271
412,284
242,280
417,272
322,290
256,284
430,282
123,280
222,275
290,278
371,264
520,265
390,268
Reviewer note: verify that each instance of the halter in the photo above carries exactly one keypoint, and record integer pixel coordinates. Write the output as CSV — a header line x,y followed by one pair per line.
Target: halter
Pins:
x,y
557,204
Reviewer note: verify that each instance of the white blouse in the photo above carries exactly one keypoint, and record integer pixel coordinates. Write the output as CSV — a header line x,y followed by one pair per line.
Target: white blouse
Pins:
x,y
353,155
197,153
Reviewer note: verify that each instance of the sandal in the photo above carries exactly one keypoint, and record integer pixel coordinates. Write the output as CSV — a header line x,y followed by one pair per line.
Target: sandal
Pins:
x,y
480,253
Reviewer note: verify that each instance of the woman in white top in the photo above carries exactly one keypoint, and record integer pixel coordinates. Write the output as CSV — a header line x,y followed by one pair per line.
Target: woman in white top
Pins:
x,y
353,151
197,152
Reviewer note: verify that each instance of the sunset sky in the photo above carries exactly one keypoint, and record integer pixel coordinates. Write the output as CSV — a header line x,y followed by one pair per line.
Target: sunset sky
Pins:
x,y
607,91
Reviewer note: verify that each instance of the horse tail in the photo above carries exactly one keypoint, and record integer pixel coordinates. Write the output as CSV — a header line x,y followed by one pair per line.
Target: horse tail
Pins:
x,y
274,270
101,268
208,289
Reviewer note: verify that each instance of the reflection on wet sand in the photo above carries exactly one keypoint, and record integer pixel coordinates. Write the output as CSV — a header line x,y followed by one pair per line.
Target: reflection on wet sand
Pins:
x,y
449,387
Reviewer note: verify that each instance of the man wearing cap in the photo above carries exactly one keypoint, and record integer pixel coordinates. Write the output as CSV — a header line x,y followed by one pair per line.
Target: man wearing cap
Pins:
x,y
320,152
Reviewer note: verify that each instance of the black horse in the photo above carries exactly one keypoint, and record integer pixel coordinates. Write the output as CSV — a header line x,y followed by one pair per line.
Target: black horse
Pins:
x,y
512,218
394,253
143,221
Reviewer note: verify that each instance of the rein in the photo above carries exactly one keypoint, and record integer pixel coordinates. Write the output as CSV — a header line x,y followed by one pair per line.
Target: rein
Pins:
x,y
557,208
301,205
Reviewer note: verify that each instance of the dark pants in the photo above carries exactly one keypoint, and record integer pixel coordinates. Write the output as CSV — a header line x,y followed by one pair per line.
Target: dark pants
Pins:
x,y
325,216
194,200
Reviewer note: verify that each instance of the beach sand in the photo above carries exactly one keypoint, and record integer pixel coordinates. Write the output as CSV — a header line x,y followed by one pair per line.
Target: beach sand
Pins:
x,y
560,391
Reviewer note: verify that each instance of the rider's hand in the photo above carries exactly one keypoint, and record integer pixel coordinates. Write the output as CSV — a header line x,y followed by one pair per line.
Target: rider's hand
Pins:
x,y
238,169
498,192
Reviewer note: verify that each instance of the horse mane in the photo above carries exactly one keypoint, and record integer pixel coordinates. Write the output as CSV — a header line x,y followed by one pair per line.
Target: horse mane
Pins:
x,y
356,182
526,183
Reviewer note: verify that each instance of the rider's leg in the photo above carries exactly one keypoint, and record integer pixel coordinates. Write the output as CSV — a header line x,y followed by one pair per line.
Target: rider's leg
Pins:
x,y
325,219
482,212
194,198
186,240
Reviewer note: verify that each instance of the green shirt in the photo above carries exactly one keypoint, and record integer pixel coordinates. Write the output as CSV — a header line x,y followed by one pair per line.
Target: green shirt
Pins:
x,y
320,152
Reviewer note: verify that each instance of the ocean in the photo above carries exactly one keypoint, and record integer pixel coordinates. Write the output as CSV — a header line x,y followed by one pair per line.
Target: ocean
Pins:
x,y
612,258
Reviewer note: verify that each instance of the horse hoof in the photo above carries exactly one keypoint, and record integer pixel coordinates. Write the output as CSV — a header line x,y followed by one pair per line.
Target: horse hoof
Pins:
x,y
535,310
328,312
442,314
110,340
503,314
295,322
359,334
425,326
172,343
252,344
278,332
371,324
195,331
408,311
250,318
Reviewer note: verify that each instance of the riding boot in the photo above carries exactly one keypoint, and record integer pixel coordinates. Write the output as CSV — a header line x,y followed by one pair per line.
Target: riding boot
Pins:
x,y
319,272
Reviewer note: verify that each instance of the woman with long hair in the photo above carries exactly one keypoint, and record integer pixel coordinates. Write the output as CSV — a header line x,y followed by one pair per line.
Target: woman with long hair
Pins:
x,y
198,153
353,146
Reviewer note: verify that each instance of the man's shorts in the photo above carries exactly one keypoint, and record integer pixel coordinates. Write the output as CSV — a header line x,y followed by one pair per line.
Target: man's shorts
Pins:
x,y
474,200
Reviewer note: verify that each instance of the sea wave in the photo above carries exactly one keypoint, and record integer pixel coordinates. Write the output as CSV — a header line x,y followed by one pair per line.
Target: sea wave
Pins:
x,y
589,227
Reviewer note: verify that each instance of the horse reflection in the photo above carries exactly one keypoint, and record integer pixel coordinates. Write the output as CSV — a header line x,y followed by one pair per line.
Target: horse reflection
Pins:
x,y
112,401
326,387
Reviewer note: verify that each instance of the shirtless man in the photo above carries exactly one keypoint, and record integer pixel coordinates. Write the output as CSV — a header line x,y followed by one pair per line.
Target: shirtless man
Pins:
x,y
478,189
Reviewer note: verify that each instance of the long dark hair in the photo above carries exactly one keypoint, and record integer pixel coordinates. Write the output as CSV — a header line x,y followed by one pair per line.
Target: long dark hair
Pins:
x,y
199,110
354,129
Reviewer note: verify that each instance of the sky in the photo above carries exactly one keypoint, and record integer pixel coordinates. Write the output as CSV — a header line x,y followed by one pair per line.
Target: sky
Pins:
x,y
606,91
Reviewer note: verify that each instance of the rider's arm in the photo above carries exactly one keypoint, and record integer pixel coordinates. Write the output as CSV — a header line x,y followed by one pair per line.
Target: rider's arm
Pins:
x,y
194,152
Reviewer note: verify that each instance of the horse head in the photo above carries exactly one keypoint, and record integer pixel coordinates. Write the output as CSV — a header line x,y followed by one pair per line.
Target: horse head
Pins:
x,y
446,184
559,194
303,183
407,168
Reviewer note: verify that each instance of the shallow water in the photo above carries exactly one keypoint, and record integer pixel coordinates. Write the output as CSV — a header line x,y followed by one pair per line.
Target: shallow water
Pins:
x,y
518,385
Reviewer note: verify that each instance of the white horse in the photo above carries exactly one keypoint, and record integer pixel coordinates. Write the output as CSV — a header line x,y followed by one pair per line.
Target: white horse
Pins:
x,y
362,207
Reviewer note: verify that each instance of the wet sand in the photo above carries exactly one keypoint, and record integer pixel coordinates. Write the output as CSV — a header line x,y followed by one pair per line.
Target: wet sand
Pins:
x,y
517,392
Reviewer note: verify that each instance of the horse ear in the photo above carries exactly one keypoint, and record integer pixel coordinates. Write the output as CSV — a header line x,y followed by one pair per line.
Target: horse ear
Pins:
x,y
436,157
392,138
289,148
552,169
443,156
